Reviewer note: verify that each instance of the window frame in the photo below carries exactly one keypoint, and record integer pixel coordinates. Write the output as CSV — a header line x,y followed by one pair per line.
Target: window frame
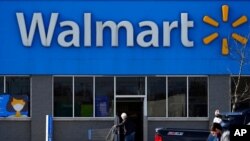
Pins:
x,y
166,88
145,96
30,98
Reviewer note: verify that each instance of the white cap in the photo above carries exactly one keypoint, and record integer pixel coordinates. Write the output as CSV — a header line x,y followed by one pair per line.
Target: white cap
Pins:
x,y
216,112
123,116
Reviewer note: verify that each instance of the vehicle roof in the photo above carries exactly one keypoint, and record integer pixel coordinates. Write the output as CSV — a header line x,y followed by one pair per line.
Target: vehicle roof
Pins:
x,y
237,113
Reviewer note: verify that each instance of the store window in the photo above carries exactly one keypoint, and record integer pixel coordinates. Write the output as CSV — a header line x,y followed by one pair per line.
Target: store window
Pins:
x,y
156,90
197,97
18,85
104,96
74,96
15,96
243,92
187,97
177,96
63,96
83,96
94,96
1,84
130,85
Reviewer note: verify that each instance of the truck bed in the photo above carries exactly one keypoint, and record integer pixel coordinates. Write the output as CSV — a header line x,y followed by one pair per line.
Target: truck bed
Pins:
x,y
171,134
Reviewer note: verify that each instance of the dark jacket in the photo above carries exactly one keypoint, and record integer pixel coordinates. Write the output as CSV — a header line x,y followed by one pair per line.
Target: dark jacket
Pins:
x,y
128,126
212,138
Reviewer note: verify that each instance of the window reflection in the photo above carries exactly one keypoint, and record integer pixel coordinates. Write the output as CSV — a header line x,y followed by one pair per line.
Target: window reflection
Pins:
x,y
18,85
177,96
83,96
244,87
130,85
156,96
198,97
104,97
85,92
63,96
1,85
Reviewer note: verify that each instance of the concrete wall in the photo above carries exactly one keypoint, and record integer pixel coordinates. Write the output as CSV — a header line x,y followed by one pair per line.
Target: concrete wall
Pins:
x,y
13,130
77,130
219,95
41,105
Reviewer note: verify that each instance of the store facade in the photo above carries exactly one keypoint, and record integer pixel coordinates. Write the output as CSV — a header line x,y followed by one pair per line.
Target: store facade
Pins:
x,y
165,63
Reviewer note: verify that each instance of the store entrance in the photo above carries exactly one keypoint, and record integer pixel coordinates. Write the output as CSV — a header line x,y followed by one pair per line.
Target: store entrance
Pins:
x,y
133,107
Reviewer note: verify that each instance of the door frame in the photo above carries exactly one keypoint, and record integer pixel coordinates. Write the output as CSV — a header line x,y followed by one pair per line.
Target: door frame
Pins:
x,y
145,122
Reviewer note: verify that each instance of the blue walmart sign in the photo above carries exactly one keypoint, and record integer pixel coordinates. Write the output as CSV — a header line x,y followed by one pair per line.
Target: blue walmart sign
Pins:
x,y
124,37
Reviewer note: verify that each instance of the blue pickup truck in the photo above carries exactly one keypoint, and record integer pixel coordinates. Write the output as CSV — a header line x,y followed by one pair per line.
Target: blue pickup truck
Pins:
x,y
228,119
235,118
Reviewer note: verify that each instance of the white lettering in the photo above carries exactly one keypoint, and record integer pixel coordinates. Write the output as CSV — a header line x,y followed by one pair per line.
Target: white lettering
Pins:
x,y
37,22
185,24
114,32
87,29
166,32
147,37
153,32
239,132
74,32
243,131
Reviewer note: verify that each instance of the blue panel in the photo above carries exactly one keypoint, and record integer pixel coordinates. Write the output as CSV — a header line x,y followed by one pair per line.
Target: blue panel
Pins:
x,y
50,128
10,105
15,58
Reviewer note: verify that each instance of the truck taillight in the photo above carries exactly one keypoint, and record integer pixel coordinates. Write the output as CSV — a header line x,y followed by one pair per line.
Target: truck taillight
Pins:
x,y
158,137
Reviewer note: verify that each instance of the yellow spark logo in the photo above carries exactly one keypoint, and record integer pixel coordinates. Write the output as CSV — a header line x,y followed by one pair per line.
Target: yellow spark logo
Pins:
x,y
208,39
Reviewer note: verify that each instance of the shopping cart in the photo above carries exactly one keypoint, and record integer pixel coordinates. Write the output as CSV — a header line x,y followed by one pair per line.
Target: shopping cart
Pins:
x,y
105,134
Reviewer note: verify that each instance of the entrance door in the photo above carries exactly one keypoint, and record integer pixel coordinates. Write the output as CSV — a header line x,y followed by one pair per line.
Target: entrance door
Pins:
x,y
133,107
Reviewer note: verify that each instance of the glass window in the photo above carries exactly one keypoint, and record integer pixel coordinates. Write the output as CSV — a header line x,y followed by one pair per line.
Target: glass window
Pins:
x,y
156,96
63,97
1,85
18,85
18,89
83,96
243,91
130,85
177,96
104,96
197,97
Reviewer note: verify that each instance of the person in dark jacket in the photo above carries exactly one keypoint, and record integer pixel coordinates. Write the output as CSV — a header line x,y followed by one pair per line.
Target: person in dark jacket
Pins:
x,y
128,127
215,132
